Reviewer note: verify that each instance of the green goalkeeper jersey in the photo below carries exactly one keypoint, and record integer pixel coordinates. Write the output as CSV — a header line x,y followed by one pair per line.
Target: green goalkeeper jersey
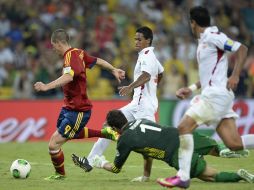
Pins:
x,y
162,143
149,139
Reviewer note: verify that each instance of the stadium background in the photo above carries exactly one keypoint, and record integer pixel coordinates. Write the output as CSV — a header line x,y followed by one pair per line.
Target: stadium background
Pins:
x,y
106,29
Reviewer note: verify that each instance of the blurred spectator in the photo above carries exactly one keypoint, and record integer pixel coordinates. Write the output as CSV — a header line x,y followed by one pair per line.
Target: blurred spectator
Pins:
x,y
249,66
174,76
42,73
20,56
186,50
106,28
6,63
6,55
172,81
248,15
14,34
150,10
130,5
5,24
22,88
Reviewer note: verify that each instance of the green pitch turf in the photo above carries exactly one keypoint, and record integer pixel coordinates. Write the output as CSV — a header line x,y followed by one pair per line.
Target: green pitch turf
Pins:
x,y
37,154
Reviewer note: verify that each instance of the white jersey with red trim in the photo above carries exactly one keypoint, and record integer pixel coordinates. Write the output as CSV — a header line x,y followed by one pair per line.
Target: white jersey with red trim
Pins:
x,y
146,94
212,57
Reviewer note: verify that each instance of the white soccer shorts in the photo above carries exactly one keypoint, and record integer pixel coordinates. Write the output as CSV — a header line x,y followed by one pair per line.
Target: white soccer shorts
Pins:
x,y
211,106
132,111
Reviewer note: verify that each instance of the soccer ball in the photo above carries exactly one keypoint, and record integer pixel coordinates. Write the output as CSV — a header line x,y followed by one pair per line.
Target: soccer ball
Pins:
x,y
20,168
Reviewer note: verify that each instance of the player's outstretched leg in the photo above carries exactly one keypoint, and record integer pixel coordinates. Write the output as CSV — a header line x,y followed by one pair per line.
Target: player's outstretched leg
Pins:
x,y
246,175
173,182
81,162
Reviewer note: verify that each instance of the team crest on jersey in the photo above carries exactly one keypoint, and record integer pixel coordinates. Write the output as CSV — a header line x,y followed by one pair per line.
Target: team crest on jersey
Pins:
x,y
228,45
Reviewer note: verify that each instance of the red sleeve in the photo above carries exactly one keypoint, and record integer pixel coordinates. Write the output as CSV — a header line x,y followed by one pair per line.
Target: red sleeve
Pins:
x,y
89,60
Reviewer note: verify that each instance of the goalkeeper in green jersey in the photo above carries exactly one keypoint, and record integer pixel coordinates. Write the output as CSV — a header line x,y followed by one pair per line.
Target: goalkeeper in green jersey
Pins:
x,y
155,141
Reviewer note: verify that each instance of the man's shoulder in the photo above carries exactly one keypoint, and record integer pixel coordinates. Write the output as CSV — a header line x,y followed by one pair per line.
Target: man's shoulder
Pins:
x,y
125,138
79,53
74,52
147,52
149,57
77,50
211,36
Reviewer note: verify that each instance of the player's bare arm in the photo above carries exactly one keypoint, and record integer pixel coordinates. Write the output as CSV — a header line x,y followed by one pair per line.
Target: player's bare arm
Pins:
x,y
61,81
101,163
186,92
118,73
141,80
241,55
108,167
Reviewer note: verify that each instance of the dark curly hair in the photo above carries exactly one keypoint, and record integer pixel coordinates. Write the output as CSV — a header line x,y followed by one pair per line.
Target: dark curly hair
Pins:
x,y
115,118
200,15
147,33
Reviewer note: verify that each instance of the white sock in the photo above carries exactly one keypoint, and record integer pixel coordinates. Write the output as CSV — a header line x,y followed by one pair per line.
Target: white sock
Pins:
x,y
98,148
54,151
248,141
185,156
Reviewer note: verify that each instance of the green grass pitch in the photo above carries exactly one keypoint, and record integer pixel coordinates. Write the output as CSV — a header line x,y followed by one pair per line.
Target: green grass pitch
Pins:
x,y
37,154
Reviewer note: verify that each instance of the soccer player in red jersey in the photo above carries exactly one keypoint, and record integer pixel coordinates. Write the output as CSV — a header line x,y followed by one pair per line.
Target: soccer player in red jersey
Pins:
x,y
76,110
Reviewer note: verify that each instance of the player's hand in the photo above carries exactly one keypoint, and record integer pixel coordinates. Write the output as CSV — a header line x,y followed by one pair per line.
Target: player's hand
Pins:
x,y
119,74
40,86
140,179
99,161
183,93
125,90
232,82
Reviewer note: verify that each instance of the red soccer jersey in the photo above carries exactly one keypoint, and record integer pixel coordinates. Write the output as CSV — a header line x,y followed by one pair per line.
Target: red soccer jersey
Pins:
x,y
76,61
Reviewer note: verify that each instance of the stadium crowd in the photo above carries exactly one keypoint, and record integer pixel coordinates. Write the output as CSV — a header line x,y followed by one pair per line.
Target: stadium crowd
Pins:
x,y
106,28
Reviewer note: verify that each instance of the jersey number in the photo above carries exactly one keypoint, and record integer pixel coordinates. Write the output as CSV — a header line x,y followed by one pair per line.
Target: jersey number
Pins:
x,y
143,128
